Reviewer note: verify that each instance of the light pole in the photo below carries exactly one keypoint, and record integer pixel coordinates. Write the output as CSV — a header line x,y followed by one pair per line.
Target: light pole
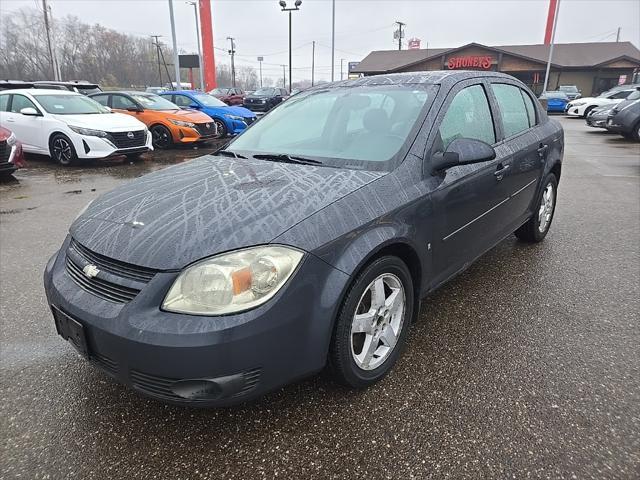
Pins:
x,y
176,60
260,59
341,70
333,38
201,67
296,6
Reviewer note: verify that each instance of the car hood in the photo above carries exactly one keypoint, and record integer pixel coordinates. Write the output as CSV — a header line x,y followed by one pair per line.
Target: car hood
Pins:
x,y
108,121
238,111
260,97
173,217
187,115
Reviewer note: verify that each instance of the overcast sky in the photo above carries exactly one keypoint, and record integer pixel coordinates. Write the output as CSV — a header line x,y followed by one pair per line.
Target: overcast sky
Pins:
x,y
260,28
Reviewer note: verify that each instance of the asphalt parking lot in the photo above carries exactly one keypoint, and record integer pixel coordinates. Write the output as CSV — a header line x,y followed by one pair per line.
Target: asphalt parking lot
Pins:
x,y
525,366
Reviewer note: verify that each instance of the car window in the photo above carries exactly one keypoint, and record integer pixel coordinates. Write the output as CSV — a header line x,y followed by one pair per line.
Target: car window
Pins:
x,y
102,99
19,102
622,94
4,103
515,118
468,116
122,102
531,111
182,100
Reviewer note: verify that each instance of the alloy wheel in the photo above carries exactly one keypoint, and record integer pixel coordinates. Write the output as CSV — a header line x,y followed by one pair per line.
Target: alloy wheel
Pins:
x,y
378,321
547,204
62,151
160,137
221,128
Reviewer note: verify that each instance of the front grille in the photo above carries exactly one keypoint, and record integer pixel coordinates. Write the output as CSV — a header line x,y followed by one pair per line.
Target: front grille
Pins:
x,y
123,280
206,129
105,363
100,288
161,387
124,140
5,151
116,267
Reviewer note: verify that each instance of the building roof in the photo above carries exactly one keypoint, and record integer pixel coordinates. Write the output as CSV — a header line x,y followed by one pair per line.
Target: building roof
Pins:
x,y
569,55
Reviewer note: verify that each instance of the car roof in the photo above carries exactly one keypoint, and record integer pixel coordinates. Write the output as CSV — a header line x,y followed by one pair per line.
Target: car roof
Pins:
x,y
432,77
179,92
74,83
41,91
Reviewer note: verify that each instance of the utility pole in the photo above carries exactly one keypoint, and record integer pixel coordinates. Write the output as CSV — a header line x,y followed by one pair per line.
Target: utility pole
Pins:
x,y
157,45
553,39
260,59
284,77
618,34
176,59
200,61
333,38
52,61
232,52
400,25
341,63
313,61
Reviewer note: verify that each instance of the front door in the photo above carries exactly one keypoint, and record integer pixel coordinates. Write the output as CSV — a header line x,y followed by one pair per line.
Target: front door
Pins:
x,y
467,198
27,128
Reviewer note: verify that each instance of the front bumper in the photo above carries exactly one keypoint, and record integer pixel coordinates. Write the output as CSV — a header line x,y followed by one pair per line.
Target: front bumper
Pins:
x,y
91,147
205,361
258,107
574,111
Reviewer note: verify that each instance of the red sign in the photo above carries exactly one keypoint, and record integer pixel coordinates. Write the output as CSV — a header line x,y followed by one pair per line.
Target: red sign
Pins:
x,y
414,43
483,63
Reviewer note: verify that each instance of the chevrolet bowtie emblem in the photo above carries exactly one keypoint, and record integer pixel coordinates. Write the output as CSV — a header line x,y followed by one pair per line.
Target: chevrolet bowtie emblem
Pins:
x,y
90,270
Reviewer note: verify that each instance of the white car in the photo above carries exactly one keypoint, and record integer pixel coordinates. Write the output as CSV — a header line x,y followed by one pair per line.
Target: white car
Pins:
x,y
581,107
68,126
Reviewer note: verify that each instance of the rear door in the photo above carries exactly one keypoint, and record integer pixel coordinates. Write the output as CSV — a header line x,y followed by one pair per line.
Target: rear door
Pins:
x,y
27,128
524,148
467,198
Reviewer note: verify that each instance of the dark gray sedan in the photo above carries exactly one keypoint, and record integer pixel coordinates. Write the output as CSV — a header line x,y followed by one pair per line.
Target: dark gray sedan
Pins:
x,y
310,240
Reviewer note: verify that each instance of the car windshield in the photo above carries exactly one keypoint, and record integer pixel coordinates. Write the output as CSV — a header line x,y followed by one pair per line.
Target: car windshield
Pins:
x,y
208,100
569,88
220,91
558,95
635,95
265,91
73,104
356,127
150,101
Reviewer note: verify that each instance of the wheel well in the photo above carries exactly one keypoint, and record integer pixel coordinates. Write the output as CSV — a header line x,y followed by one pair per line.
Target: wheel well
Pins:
x,y
556,170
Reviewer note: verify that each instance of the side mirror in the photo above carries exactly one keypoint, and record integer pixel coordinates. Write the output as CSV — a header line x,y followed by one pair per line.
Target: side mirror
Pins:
x,y
108,109
134,109
29,111
462,151
195,106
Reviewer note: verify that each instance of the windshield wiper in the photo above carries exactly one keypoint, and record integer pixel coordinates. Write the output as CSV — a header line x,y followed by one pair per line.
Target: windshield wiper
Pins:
x,y
286,158
229,153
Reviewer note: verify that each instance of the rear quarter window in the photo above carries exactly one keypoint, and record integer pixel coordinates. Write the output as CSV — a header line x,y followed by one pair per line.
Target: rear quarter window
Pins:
x,y
515,117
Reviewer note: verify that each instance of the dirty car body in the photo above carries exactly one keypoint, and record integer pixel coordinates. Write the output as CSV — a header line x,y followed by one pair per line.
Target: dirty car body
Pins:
x,y
382,190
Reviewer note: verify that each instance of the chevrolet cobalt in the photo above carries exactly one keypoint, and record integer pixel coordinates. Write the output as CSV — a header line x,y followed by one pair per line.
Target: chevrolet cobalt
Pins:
x,y
309,240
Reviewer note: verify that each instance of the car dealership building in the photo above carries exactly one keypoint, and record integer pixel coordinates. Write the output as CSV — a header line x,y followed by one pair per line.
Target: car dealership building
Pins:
x,y
592,67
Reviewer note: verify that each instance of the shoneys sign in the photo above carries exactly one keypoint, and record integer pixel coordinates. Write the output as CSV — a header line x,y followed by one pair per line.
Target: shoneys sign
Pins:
x,y
481,62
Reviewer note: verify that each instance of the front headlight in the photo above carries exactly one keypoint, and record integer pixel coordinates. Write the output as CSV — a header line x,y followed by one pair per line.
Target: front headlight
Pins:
x,y
89,132
234,117
11,141
232,282
180,123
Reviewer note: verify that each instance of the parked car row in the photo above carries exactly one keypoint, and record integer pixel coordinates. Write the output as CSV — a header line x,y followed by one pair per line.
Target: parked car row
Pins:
x,y
622,117
261,100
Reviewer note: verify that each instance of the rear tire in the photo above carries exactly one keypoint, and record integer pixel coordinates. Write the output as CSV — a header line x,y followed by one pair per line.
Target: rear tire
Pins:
x,y
62,150
538,225
372,324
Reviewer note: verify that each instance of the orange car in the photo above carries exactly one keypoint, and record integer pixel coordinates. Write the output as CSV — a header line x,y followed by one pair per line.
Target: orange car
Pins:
x,y
166,121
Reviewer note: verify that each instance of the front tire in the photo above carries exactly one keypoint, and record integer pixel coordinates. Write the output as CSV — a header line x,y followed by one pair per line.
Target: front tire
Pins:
x,y
161,137
587,111
62,150
373,323
538,225
221,128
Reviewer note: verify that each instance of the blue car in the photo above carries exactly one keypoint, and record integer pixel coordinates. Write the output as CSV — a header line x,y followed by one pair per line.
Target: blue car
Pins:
x,y
556,101
228,120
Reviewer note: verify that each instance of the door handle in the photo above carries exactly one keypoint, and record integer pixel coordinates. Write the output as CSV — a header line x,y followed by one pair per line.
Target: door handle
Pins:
x,y
502,169
542,150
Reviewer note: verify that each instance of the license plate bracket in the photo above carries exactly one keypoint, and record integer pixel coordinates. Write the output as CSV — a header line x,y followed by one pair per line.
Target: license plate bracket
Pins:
x,y
71,330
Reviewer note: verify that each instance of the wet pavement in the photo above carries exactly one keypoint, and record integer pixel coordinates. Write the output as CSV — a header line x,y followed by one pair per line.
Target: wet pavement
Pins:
x,y
525,366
